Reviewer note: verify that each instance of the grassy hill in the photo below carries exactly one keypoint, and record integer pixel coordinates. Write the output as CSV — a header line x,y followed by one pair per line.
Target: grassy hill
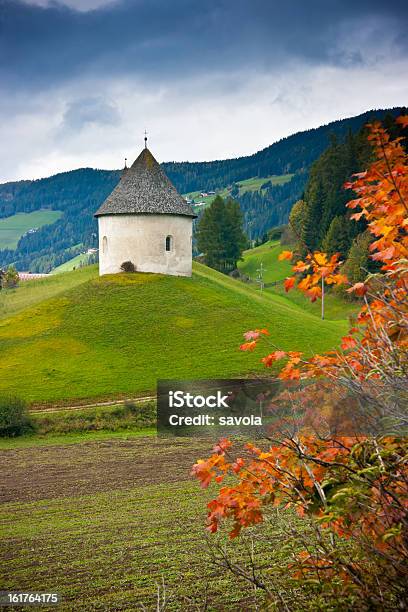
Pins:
x,y
72,264
77,336
276,271
30,293
12,228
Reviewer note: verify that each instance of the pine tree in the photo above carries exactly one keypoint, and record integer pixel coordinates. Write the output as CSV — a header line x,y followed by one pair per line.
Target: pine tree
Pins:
x,y
337,239
220,236
326,197
236,240
297,217
358,262
311,227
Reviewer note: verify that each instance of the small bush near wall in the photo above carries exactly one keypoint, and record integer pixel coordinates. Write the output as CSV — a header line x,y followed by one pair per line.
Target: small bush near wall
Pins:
x,y
128,266
14,419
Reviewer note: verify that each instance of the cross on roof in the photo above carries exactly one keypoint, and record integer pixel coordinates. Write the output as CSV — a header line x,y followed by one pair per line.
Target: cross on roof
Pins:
x,y
145,139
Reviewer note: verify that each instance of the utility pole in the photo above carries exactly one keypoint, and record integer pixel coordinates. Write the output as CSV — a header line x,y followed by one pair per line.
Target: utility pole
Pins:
x,y
259,278
322,297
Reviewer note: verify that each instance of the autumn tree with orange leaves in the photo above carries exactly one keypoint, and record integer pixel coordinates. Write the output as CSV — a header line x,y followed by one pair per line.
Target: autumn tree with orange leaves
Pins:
x,y
353,485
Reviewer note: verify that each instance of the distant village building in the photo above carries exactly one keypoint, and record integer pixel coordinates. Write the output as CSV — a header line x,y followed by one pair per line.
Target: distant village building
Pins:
x,y
26,276
145,221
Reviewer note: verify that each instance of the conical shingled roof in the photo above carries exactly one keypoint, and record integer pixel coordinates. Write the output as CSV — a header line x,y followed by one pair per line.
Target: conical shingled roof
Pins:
x,y
145,189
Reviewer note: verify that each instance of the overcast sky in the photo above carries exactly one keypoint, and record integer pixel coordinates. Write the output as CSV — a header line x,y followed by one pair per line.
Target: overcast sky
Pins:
x,y
80,80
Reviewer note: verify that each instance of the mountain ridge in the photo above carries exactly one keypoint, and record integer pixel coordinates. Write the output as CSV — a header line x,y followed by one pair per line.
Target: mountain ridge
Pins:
x,y
78,193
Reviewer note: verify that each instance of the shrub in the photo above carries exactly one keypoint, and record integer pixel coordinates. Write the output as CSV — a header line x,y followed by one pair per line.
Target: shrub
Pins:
x,y
276,232
10,278
130,415
14,419
128,266
288,236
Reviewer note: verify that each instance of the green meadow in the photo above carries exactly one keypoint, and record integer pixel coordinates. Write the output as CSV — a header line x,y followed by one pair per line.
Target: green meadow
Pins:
x,y
267,254
76,336
30,293
72,264
12,228
251,184
275,271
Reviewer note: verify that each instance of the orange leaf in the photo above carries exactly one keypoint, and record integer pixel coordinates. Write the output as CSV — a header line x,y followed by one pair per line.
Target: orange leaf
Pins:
x,y
320,258
337,279
402,120
357,216
385,254
248,346
301,266
285,255
314,293
348,343
359,289
289,283
269,359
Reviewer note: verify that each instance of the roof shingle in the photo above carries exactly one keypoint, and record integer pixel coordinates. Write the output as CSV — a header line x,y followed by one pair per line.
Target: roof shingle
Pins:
x,y
145,189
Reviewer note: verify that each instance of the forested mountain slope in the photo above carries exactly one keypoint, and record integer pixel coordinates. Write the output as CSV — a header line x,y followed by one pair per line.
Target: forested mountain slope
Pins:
x,y
80,192
289,155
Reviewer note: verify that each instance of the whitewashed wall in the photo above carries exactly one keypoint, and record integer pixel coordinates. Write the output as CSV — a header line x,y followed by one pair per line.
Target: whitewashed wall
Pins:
x,y
141,239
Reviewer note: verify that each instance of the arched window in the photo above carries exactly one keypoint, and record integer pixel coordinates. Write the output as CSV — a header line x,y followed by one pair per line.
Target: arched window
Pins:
x,y
169,243
104,244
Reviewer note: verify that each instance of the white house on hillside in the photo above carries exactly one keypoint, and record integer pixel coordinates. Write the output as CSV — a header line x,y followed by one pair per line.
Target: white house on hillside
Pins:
x,y
145,221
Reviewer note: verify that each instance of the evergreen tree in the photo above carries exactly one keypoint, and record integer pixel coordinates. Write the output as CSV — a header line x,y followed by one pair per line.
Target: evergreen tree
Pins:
x,y
326,197
220,236
236,240
358,262
311,228
297,217
337,239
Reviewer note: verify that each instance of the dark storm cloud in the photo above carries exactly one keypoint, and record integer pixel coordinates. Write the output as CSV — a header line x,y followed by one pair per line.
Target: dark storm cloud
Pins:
x,y
40,47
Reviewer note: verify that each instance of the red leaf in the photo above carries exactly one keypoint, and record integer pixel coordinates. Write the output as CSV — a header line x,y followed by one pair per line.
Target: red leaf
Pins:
x,y
222,445
348,343
289,283
359,289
